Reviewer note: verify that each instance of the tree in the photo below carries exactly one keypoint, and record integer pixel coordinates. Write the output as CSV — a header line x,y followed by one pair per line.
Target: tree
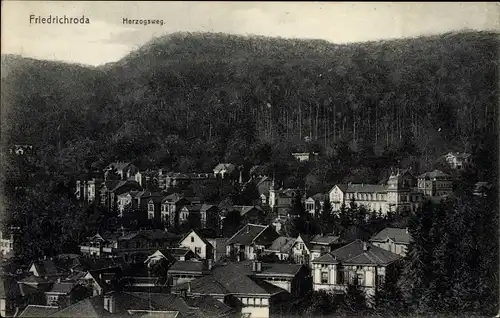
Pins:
x,y
327,218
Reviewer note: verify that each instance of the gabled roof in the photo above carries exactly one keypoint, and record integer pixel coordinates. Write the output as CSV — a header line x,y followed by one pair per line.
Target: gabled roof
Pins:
x,y
46,267
247,234
197,234
282,244
38,311
279,270
231,278
244,209
354,253
173,198
397,235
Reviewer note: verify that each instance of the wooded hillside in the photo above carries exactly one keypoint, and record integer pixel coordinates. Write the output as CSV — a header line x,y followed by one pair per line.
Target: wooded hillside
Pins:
x,y
188,101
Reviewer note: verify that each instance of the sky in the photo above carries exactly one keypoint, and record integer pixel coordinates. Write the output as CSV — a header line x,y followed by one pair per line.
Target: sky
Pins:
x,y
106,39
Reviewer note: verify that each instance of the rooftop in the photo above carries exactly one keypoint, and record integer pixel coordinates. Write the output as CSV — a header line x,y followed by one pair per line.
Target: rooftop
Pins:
x,y
38,311
395,234
247,234
354,253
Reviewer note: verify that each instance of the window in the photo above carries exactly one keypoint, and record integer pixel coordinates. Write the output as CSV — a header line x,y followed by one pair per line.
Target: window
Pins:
x,y
244,300
324,277
197,250
380,280
360,279
265,301
192,239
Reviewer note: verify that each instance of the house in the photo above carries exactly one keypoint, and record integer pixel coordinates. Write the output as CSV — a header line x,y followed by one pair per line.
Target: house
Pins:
x,y
192,210
154,207
128,246
110,190
171,206
435,184
199,245
458,160
160,255
125,171
304,156
393,240
305,249
294,278
6,244
125,200
250,213
250,241
281,247
185,271
220,246
280,201
62,293
46,268
224,170
237,285
314,204
263,186
357,262
87,190
209,215
182,181
98,281
395,195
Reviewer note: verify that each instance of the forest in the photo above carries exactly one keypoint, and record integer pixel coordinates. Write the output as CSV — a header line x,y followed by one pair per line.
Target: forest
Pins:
x,y
188,101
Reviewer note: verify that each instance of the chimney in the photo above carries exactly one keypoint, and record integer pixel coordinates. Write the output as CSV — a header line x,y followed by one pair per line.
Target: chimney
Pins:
x,y
58,279
189,288
365,247
109,303
257,266
406,230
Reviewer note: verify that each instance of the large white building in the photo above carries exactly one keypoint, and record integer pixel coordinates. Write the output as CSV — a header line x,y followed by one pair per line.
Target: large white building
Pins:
x,y
398,193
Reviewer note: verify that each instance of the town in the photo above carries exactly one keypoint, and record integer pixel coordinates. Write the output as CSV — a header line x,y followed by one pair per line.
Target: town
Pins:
x,y
166,250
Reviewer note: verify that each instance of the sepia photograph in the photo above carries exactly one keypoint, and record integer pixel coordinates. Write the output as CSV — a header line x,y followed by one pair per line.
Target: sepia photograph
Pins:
x,y
249,159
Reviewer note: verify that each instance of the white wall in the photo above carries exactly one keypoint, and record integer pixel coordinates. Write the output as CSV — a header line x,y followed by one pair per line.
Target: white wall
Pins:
x,y
197,242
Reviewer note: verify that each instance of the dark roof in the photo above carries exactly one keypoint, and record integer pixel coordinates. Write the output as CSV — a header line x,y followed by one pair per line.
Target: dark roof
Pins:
x,y
356,188
187,266
231,278
38,311
325,239
46,267
62,287
276,269
247,234
282,244
205,207
434,174
209,306
395,234
319,197
179,251
244,209
354,253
